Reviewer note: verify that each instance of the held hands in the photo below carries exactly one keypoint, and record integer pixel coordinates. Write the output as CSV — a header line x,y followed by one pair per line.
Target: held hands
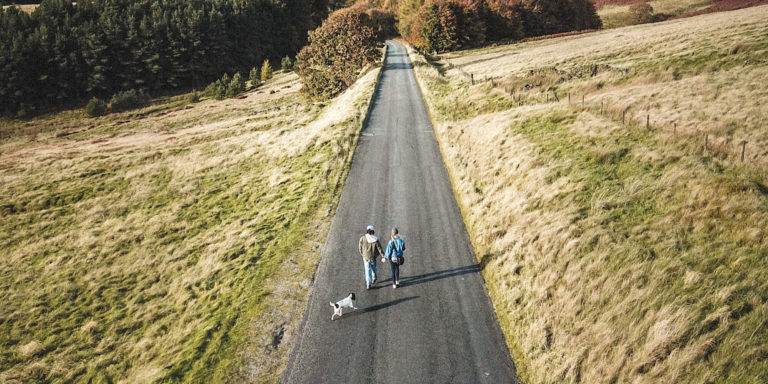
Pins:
x,y
383,260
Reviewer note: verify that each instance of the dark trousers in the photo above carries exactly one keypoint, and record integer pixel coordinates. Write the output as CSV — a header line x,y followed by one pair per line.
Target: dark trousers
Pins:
x,y
395,269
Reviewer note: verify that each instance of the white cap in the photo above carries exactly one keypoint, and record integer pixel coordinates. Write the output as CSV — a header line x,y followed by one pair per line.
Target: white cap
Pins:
x,y
369,228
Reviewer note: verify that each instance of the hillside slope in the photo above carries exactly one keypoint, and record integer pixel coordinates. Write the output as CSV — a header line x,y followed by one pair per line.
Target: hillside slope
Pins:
x,y
622,238
173,243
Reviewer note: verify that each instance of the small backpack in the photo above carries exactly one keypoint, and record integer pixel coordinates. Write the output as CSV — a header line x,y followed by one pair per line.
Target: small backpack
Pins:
x,y
398,256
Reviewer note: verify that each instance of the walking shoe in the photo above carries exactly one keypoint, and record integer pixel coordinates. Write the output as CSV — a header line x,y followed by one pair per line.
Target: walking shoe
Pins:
x,y
367,286
394,286
374,281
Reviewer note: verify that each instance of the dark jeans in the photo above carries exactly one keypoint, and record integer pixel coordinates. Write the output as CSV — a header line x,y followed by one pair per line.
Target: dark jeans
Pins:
x,y
395,269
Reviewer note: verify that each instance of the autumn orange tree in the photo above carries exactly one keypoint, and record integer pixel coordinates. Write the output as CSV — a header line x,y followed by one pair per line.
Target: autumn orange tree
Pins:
x,y
446,25
339,49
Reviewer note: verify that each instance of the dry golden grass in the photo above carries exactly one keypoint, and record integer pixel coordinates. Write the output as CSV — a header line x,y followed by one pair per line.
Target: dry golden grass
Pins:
x,y
173,243
618,15
24,7
614,253
678,72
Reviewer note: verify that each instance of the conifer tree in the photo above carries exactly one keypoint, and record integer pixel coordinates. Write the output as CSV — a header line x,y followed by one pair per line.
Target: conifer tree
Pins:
x,y
266,71
255,77
63,53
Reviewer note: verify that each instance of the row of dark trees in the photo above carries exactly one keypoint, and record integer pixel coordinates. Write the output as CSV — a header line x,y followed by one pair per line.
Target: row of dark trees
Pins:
x,y
443,25
63,53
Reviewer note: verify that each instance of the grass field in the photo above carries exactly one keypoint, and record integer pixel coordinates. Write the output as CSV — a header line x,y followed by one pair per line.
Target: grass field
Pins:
x,y
24,7
619,15
613,251
175,243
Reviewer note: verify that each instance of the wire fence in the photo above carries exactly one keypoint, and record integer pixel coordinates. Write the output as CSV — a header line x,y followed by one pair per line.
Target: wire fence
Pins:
x,y
719,147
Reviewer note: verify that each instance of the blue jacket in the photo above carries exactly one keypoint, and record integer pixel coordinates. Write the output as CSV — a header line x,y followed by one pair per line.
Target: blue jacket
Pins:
x,y
395,248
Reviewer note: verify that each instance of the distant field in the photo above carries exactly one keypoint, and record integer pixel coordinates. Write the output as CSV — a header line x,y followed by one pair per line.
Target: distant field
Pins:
x,y
172,243
616,13
24,7
623,240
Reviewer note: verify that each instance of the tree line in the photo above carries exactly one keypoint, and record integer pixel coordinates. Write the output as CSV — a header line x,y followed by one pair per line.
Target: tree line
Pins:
x,y
63,53
444,25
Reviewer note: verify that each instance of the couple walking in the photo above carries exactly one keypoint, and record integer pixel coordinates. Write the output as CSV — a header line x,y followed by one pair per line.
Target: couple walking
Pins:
x,y
369,247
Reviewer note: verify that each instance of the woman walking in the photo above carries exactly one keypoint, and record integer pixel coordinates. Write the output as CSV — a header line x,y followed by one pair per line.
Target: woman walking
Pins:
x,y
394,254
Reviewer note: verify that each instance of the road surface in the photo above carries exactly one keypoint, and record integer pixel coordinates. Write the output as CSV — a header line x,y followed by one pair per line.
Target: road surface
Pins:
x,y
438,326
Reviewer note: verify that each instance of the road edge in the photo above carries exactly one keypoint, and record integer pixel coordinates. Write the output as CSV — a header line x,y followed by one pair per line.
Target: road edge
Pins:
x,y
451,178
283,377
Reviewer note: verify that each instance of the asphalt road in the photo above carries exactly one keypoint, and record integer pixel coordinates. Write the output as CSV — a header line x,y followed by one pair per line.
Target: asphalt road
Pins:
x,y
438,326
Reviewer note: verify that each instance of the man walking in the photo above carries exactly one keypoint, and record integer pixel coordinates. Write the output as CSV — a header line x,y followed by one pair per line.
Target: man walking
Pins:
x,y
393,254
369,248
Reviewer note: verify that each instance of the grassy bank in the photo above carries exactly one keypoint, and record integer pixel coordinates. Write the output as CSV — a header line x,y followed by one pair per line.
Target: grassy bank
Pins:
x,y
622,239
174,243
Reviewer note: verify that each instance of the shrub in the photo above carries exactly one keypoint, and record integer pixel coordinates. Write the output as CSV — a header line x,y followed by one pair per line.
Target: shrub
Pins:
x,y
255,77
218,89
130,99
337,52
286,64
226,86
194,97
266,71
236,86
641,13
96,107
214,90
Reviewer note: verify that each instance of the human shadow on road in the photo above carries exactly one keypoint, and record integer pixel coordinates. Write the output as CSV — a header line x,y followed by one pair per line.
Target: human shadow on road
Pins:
x,y
437,275
377,307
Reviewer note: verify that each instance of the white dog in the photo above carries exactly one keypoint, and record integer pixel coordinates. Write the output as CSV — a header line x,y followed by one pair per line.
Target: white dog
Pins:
x,y
347,302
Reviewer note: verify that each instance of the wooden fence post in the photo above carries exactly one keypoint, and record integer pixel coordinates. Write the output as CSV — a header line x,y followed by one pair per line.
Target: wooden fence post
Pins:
x,y
743,147
601,107
706,141
547,98
623,115
582,101
648,121
472,78
674,131
569,98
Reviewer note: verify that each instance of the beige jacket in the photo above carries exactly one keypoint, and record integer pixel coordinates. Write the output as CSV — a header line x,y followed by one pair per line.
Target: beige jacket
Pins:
x,y
369,246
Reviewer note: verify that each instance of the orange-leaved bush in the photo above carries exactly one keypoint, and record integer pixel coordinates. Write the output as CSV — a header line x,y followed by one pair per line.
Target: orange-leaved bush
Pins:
x,y
339,49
